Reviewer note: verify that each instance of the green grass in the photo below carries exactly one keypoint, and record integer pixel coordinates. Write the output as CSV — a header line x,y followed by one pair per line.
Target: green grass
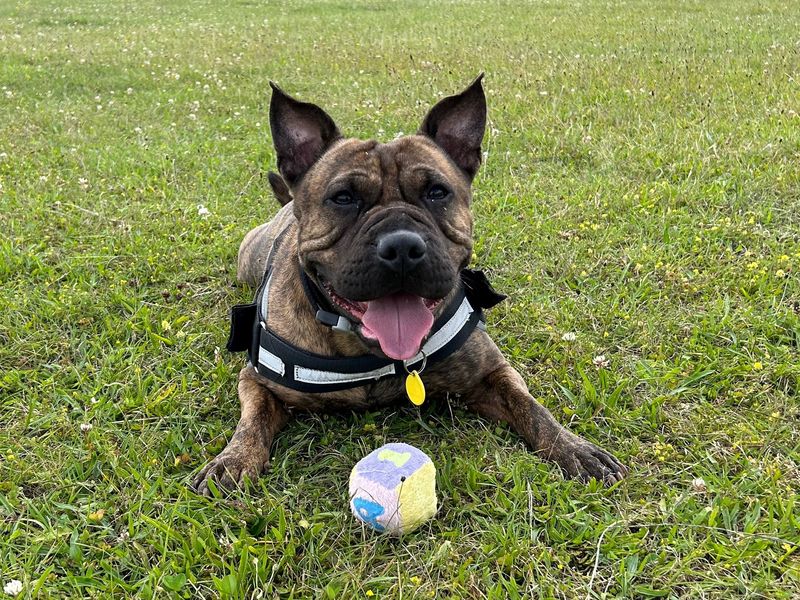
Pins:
x,y
641,190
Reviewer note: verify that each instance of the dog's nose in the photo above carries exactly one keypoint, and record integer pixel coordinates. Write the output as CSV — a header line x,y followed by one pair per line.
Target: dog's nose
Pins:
x,y
401,251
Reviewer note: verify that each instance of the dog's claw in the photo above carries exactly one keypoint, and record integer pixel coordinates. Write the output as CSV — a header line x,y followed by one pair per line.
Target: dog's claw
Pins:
x,y
228,471
583,460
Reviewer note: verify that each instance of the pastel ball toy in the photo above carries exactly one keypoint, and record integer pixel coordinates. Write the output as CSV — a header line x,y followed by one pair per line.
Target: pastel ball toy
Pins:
x,y
393,488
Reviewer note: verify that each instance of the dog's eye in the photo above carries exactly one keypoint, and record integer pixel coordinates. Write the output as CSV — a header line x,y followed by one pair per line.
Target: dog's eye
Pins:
x,y
437,192
342,198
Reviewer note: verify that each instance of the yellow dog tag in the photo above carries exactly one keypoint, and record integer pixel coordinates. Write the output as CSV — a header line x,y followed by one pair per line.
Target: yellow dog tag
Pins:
x,y
415,388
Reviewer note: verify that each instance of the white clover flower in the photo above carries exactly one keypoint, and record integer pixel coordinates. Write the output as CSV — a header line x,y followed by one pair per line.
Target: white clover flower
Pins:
x,y
600,361
569,336
202,211
699,484
86,427
13,587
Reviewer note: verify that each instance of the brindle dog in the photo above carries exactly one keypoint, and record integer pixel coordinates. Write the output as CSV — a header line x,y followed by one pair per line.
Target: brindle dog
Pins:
x,y
383,230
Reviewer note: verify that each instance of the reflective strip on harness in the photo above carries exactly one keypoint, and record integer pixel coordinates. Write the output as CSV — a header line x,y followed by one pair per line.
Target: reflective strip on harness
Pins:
x,y
325,377
265,296
447,332
272,362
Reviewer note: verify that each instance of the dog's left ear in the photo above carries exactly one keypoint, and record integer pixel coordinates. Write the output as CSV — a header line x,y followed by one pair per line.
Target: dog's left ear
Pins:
x,y
457,123
279,188
301,132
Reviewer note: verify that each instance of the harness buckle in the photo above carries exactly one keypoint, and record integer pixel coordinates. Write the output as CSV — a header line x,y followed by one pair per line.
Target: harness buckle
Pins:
x,y
334,321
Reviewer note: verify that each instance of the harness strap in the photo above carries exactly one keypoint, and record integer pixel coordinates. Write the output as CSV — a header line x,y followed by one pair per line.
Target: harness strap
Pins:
x,y
298,369
244,317
278,360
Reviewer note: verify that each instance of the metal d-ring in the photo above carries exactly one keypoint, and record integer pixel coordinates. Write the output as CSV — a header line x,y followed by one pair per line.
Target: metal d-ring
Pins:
x,y
422,368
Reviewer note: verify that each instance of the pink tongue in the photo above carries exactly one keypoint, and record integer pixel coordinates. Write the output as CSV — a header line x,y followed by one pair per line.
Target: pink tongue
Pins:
x,y
399,322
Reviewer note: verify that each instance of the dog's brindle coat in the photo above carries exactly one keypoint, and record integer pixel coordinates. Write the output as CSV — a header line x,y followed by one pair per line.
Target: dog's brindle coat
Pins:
x,y
341,197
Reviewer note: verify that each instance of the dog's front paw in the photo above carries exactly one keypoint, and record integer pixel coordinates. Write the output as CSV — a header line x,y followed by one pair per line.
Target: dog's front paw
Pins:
x,y
230,470
583,460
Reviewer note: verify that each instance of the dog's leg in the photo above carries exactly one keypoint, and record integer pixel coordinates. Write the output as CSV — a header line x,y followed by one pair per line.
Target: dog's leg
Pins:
x,y
503,396
247,454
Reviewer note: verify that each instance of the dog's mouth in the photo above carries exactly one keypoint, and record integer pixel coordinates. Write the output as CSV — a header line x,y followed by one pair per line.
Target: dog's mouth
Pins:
x,y
399,322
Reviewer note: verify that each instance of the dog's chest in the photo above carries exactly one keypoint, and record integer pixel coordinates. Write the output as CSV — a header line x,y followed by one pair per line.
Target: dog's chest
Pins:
x,y
367,397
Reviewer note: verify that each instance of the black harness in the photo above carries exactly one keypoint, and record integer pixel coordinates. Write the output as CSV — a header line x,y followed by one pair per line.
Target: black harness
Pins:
x,y
295,368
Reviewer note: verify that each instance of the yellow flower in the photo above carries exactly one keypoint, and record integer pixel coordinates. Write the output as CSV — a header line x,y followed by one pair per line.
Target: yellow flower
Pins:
x,y
757,366
96,516
370,593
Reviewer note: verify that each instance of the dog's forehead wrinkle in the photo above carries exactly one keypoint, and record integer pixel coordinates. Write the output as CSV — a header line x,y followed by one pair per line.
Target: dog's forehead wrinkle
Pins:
x,y
389,169
404,169
350,176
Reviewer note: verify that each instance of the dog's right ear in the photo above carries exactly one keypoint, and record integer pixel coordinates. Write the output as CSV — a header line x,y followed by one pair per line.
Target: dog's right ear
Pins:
x,y
301,132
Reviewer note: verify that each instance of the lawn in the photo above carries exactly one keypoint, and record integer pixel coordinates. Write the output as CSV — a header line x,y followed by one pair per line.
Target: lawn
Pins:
x,y
639,200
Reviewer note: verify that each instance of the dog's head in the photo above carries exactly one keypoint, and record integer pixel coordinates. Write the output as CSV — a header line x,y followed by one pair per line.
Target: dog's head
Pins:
x,y
384,229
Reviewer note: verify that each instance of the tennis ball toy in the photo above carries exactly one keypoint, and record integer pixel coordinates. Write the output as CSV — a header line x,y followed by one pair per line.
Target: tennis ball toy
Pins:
x,y
393,488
